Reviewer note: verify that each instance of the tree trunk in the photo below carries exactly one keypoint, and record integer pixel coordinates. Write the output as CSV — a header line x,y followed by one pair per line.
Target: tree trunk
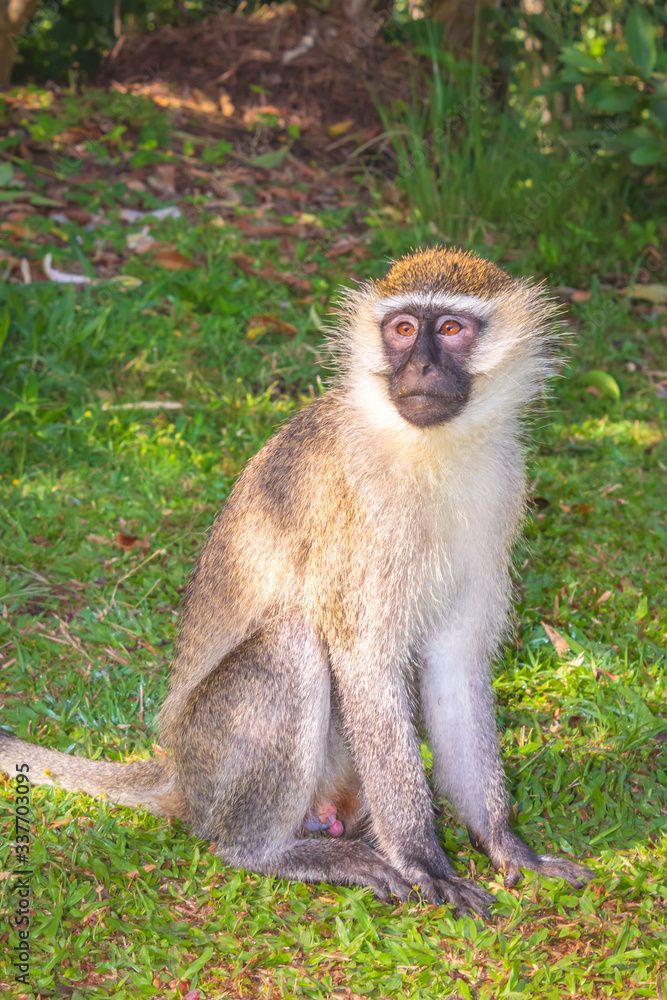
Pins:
x,y
14,15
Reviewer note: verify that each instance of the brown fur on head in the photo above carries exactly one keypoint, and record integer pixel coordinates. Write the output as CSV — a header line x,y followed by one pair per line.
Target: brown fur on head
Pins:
x,y
443,269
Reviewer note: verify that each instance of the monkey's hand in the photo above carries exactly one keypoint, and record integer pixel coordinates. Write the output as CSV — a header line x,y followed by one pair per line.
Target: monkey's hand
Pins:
x,y
435,881
509,855
466,897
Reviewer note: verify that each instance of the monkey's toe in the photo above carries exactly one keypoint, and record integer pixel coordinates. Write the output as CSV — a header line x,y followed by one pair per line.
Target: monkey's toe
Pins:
x,y
550,865
556,866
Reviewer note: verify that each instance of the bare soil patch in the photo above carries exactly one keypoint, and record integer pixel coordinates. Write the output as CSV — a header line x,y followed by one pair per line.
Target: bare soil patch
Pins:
x,y
259,74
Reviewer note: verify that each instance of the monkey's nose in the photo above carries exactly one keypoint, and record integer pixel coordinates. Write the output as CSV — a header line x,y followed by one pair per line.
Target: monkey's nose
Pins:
x,y
420,367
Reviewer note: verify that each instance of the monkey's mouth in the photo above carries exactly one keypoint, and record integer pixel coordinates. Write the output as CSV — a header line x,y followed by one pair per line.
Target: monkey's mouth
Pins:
x,y
430,398
423,409
424,395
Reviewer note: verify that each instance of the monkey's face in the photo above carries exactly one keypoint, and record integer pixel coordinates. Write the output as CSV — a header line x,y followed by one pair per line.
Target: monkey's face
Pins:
x,y
444,343
427,354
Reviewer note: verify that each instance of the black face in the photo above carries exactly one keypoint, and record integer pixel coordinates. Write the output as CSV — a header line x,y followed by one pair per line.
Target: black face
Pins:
x,y
428,353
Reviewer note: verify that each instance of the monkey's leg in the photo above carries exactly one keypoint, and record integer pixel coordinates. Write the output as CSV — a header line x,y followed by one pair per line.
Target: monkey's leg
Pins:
x,y
458,706
376,712
252,757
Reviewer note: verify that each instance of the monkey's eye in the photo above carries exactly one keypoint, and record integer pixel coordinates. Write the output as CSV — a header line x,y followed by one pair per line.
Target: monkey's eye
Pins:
x,y
405,328
450,328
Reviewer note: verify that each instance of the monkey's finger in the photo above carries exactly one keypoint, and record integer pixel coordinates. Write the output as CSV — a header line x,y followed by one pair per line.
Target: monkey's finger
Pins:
x,y
377,873
466,897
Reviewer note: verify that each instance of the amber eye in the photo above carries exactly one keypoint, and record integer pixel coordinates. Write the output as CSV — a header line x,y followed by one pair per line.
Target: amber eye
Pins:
x,y
450,328
405,328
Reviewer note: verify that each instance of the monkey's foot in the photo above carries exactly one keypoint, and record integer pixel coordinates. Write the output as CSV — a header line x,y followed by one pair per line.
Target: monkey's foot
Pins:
x,y
341,861
509,855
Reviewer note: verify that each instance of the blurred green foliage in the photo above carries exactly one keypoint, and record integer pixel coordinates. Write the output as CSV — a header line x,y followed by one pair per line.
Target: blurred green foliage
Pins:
x,y
618,82
495,140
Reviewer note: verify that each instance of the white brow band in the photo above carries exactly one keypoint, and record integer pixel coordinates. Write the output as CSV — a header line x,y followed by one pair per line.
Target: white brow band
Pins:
x,y
437,301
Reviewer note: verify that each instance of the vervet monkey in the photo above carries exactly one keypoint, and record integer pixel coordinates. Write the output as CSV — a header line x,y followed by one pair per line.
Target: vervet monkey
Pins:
x,y
356,581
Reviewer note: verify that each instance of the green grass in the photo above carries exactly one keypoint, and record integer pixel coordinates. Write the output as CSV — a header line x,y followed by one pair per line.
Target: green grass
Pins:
x,y
126,905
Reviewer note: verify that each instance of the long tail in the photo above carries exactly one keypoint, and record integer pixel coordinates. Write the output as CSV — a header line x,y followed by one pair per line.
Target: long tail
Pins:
x,y
151,784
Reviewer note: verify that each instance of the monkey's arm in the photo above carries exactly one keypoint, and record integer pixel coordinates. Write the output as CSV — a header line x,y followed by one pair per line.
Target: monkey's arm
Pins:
x,y
386,752
458,707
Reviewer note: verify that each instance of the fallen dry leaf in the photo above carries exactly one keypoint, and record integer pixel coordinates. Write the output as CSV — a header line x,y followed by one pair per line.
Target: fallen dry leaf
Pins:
x,y
98,539
342,246
270,323
26,273
134,215
76,214
257,55
249,227
134,184
173,260
140,242
107,261
202,103
164,178
7,261
144,404
226,105
18,228
246,263
62,277
657,294
26,211
340,128
559,642
129,542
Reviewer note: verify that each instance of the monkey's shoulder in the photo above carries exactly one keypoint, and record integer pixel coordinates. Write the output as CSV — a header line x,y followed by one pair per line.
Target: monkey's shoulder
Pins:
x,y
300,455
